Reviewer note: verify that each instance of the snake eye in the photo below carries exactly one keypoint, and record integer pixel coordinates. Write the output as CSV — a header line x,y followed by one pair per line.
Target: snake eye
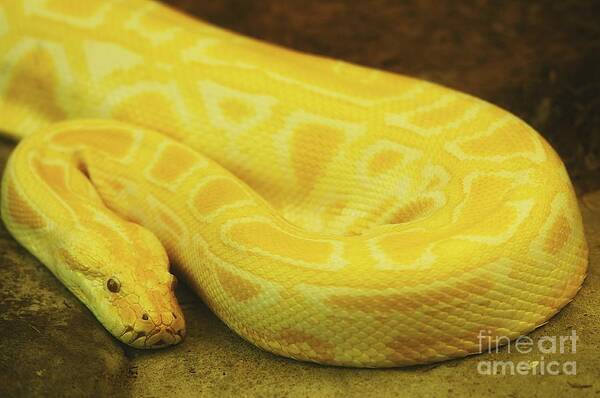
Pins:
x,y
113,285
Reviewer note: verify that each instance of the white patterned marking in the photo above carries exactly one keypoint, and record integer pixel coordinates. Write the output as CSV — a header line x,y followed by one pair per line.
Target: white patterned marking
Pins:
x,y
104,58
38,7
214,93
3,22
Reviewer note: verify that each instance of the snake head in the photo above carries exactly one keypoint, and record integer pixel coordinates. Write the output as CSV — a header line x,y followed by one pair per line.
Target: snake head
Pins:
x,y
127,285
149,315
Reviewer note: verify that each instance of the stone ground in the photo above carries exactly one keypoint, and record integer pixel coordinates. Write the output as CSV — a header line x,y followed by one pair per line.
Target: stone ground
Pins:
x,y
538,59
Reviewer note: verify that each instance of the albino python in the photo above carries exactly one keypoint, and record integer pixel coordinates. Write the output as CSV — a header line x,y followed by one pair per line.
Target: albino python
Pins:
x,y
324,211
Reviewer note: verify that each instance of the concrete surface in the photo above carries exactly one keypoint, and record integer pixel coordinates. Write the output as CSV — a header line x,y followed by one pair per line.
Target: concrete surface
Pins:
x,y
537,59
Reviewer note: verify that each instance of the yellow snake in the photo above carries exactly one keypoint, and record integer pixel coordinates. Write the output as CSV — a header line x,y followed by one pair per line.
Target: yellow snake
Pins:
x,y
324,211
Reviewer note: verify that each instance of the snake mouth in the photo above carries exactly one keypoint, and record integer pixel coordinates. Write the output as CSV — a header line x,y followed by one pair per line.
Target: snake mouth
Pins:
x,y
158,337
146,335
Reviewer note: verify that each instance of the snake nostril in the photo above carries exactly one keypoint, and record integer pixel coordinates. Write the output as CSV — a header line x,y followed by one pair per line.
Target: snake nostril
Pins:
x,y
145,316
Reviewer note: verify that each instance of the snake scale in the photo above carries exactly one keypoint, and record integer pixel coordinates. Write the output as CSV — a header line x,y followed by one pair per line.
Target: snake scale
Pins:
x,y
324,211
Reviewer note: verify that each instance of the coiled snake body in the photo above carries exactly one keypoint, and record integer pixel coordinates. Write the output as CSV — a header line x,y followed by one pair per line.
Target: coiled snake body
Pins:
x,y
324,211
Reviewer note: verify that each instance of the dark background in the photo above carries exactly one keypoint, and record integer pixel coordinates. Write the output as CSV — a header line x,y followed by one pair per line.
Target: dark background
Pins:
x,y
538,59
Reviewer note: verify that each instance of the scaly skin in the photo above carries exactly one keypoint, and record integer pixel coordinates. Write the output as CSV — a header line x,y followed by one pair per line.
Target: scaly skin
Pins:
x,y
324,211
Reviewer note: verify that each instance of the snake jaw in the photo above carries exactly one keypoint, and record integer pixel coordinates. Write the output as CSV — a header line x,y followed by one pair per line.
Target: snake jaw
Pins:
x,y
163,336
168,330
